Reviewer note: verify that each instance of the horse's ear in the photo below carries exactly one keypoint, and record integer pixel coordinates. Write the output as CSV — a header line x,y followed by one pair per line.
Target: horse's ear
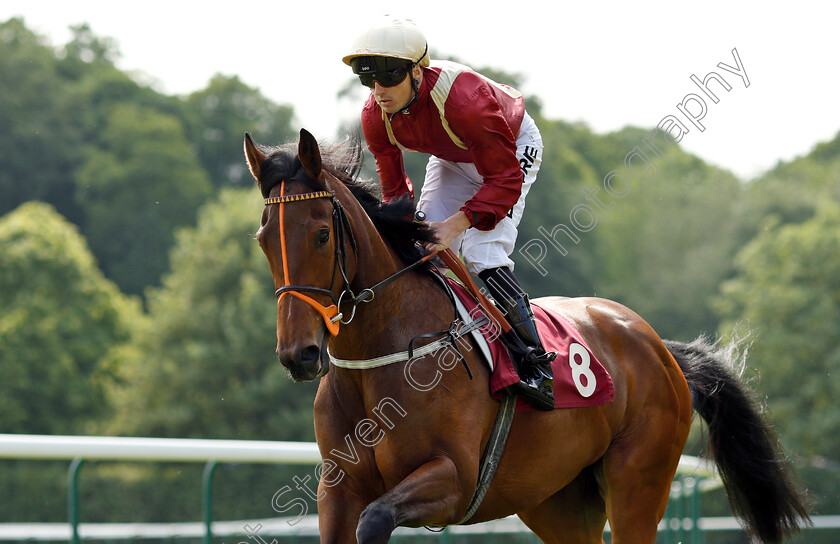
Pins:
x,y
309,154
254,156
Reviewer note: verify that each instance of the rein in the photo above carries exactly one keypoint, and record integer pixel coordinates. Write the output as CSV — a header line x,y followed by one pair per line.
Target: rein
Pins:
x,y
332,314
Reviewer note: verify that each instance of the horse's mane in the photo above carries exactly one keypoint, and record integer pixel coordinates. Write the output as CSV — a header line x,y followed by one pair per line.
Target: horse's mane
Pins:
x,y
393,221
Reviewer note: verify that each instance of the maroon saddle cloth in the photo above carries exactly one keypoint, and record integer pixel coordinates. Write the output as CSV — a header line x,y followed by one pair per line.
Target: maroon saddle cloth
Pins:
x,y
579,378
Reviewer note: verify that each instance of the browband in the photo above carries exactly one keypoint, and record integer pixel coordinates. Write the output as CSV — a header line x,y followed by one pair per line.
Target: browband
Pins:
x,y
296,198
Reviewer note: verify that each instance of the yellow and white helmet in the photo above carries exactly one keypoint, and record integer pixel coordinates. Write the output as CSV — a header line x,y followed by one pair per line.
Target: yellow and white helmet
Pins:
x,y
391,38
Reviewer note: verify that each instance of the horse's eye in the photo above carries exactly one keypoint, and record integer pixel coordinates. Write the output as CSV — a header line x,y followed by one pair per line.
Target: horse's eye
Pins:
x,y
323,237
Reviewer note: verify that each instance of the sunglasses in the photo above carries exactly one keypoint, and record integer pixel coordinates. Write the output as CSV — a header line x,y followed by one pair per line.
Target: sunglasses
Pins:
x,y
386,78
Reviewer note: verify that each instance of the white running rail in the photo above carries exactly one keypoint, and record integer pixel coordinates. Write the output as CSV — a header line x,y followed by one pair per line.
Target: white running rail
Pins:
x,y
110,448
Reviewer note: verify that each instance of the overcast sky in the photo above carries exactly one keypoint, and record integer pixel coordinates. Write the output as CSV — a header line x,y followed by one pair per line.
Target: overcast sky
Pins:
x,y
608,64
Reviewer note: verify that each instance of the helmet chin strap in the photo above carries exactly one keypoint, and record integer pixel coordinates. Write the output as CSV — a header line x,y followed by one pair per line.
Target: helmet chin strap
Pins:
x,y
415,87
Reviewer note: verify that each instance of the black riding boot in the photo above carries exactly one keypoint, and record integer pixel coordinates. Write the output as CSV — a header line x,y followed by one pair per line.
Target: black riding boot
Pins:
x,y
532,363
536,379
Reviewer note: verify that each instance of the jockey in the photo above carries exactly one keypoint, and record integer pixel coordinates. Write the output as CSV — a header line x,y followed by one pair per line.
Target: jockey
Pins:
x,y
485,153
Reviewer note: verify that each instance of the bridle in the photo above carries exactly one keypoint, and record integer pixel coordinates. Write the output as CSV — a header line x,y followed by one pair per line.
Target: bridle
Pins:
x,y
332,314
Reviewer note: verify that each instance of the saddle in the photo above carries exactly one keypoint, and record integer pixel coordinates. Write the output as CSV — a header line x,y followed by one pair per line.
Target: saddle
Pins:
x,y
579,378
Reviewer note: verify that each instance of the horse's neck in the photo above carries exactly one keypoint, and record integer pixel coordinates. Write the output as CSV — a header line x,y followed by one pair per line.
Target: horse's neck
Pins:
x,y
411,305
414,305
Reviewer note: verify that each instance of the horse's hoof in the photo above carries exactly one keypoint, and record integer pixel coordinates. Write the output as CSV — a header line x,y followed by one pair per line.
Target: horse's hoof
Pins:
x,y
376,524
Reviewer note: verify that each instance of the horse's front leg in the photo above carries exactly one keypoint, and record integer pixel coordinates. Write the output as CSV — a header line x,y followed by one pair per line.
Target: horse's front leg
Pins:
x,y
431,495
338,515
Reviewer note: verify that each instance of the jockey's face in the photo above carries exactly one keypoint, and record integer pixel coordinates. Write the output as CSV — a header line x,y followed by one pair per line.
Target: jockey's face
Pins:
x,y
393,99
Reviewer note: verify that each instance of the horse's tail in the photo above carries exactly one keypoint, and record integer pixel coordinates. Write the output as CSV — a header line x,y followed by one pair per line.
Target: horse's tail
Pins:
x,y
759,480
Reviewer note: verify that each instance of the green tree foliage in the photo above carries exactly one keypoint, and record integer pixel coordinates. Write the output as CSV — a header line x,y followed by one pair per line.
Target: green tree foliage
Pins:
x,y
793,191
36,116
135,189
217,117
88,50
95,86
73,118
787,292
786,295
60,319
666,246
662,248
204,365
564,171
50,103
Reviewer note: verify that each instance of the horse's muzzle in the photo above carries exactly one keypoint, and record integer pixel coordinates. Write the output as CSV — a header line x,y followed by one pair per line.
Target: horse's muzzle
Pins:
x,y
303,364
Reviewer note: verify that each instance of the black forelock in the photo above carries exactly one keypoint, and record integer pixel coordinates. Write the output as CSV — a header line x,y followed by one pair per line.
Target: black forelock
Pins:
x,y
282,163
393,221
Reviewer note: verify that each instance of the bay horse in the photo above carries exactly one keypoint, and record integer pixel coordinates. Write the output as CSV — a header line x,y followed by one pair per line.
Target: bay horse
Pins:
x,y
397,455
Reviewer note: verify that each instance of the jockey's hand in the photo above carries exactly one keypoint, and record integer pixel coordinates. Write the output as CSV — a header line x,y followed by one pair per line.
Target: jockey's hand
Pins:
x,y
447,231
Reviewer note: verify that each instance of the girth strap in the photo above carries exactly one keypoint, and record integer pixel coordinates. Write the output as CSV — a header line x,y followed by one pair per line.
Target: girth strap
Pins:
x,y
492,453
490,458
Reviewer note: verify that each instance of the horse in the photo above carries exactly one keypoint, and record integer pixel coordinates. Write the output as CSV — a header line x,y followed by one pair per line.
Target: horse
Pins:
x,y
349,287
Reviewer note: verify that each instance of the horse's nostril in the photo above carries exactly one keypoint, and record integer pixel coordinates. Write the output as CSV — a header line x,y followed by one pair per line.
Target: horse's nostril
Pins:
x,y
310,355
304,364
